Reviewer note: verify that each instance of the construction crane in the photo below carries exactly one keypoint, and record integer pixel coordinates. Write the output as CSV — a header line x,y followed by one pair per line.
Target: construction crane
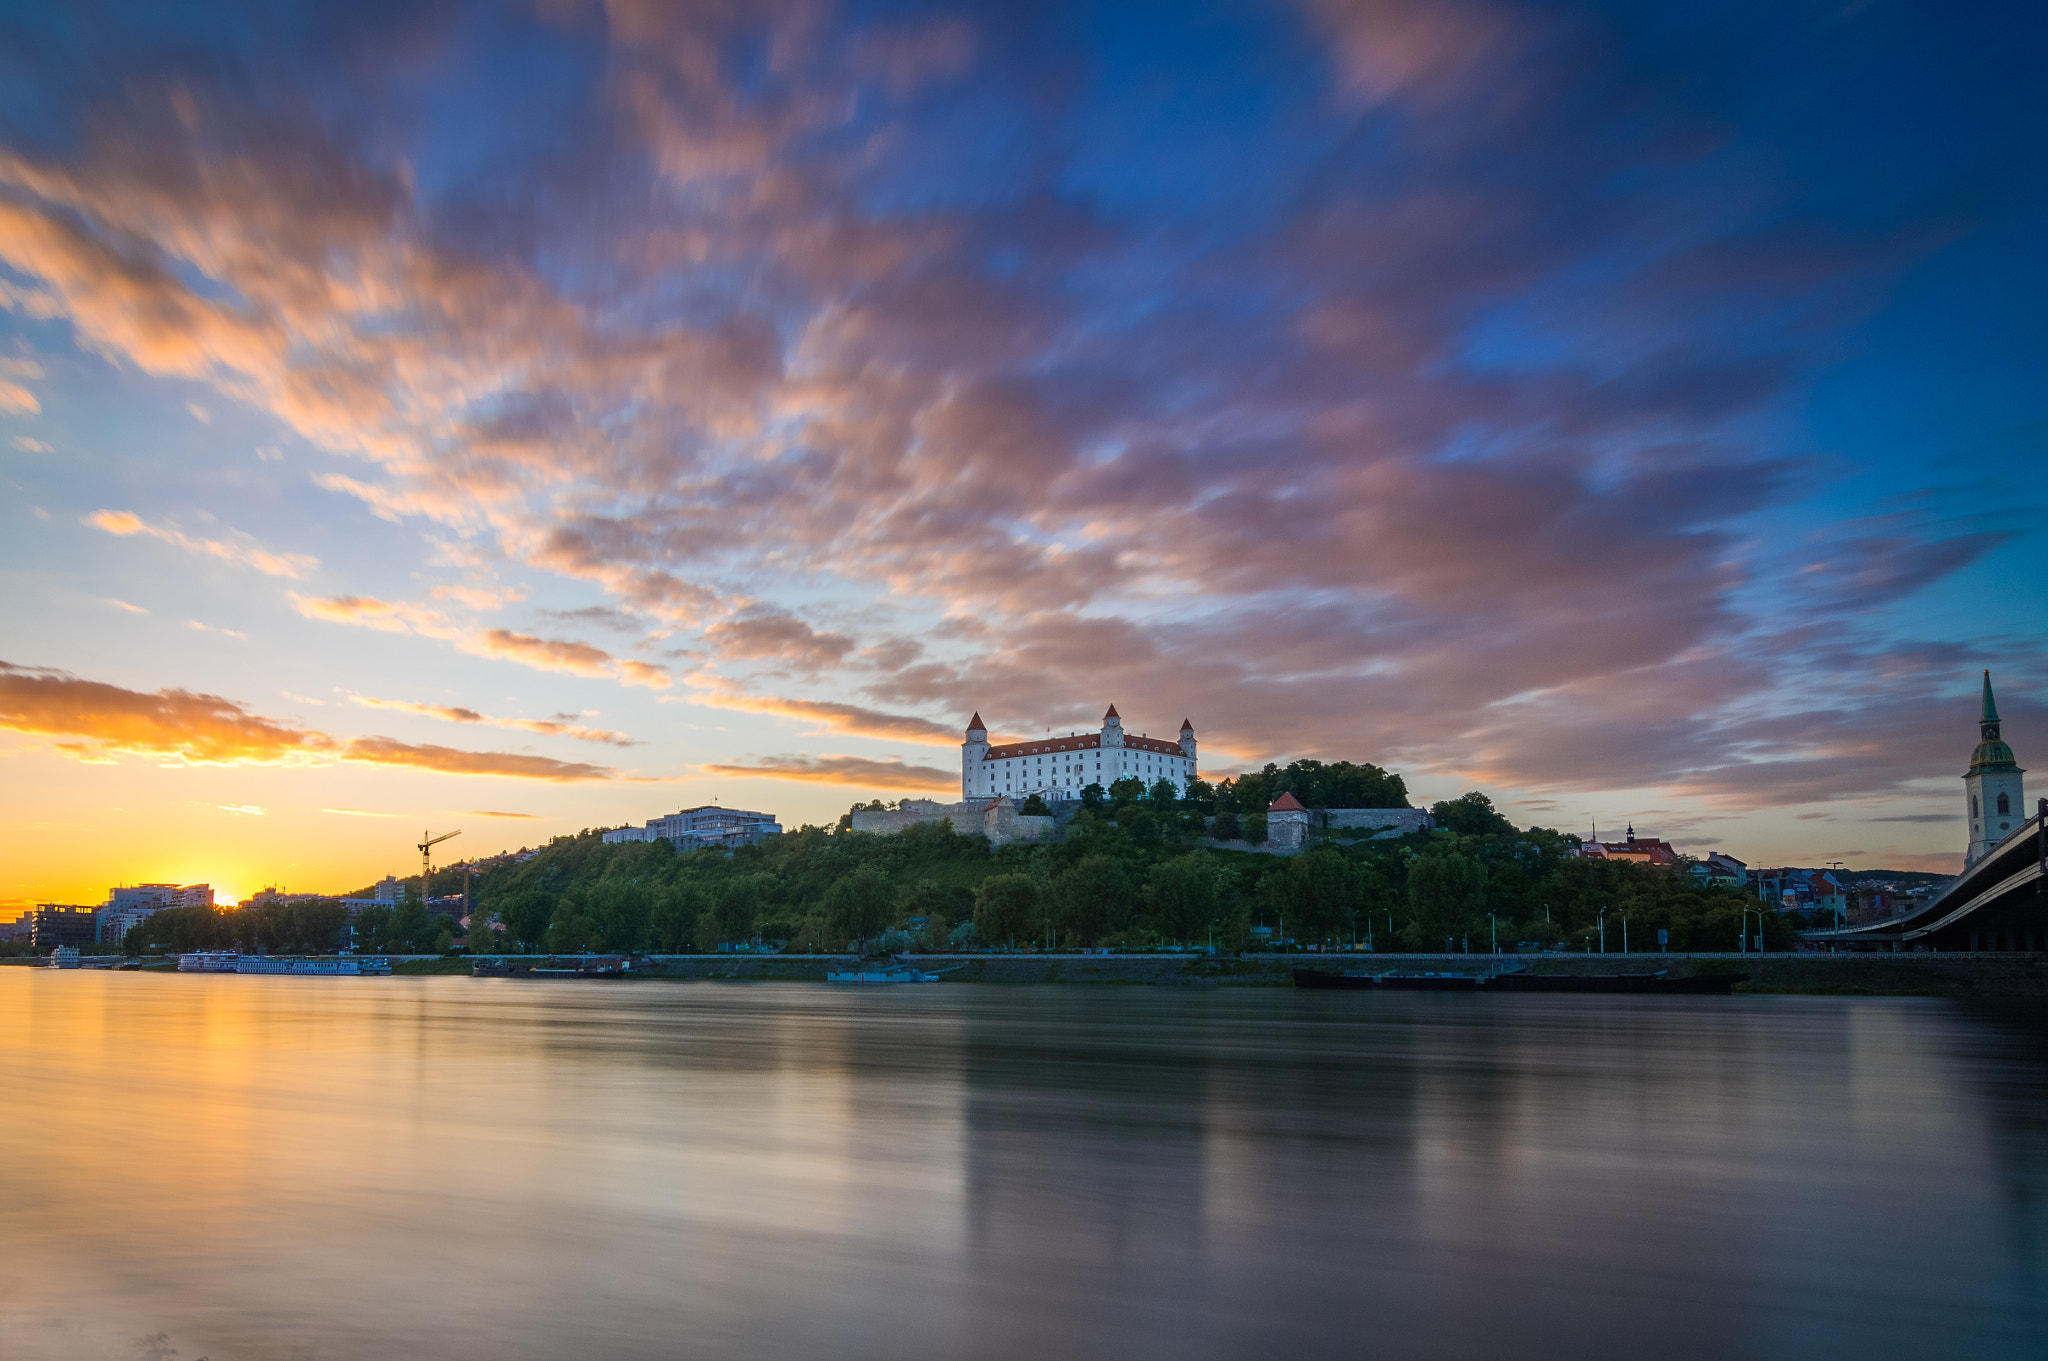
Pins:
x,y
427,843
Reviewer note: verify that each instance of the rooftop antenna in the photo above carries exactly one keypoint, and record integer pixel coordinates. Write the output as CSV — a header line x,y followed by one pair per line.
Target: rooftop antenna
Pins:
x,y
427,843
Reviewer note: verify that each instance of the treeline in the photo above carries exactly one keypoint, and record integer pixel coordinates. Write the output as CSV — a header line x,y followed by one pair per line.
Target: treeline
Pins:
x,y
312,927
1130,872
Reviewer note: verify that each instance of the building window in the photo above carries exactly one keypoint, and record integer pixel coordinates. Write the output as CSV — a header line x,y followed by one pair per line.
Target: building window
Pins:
x,y
1973,807
2005,805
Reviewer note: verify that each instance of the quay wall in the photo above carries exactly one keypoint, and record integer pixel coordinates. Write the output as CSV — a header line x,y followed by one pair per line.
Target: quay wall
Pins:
x,y
1923,975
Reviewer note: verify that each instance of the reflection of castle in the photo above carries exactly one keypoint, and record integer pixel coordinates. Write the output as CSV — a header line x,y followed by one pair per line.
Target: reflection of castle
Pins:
x,y
1061,767
1992,784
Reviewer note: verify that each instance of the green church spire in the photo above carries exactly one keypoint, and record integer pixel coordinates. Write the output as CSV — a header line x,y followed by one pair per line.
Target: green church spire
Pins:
x,y
1992,753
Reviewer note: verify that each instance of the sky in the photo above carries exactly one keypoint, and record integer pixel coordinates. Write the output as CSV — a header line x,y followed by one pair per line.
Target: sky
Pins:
x,y
528,418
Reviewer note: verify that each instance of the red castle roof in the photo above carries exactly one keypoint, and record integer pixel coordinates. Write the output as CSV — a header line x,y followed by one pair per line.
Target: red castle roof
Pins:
x,y
1286,803
1093,739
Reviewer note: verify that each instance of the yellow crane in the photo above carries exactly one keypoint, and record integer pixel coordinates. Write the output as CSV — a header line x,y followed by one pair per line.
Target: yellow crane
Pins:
x,y
427,843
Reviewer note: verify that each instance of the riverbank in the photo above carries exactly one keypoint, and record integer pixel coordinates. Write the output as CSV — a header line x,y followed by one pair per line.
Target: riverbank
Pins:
x,y
1846,975
1946,975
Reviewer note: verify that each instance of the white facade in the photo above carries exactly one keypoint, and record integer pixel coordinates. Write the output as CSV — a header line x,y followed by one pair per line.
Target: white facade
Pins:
x,y
706,825
1061,767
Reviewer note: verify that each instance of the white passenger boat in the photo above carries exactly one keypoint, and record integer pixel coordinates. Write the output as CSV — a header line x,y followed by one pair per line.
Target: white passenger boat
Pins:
x,y
300,968
208,961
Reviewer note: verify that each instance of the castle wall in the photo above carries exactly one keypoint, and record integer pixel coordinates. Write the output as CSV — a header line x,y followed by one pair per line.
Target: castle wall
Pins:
x,y
999,820
1387,821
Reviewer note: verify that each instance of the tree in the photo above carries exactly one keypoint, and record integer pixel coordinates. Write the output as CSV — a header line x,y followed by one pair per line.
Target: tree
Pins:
x,y
672,920
857,905
1164,794
1447,891
1129,789
1092,898
1006,906
1225,827
1471,814
1183,895
927,898
1093,795
1035,807
1255,828
372,928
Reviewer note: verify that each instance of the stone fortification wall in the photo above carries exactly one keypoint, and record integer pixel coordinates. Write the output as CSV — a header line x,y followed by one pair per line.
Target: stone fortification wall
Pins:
x,y
1288,833
1388,822
996,819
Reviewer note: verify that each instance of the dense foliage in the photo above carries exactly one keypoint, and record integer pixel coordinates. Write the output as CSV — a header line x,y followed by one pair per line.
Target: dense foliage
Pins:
x,y
1130,871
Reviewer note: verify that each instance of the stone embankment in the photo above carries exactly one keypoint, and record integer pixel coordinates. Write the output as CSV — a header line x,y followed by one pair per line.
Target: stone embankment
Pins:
x,y
1927,975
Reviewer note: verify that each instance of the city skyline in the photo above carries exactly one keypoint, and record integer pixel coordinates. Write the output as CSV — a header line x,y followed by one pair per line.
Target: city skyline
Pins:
x,y
534,422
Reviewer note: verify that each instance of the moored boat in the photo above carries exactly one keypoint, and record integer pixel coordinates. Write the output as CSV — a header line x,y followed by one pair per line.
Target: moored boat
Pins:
x,y
301,968
1656,984
582,968
880,973
208,961
1662,983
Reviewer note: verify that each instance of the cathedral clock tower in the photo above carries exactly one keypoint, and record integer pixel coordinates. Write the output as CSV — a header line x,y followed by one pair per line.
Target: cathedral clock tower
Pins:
x,y
1992,786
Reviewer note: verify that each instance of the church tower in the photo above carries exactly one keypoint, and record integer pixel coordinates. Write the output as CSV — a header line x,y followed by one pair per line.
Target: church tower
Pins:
x,y
973,763
1187,744
1997,798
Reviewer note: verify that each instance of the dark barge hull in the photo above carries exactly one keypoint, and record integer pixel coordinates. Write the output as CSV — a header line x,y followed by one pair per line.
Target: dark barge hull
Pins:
x,y
1394,981
1656,985
483,970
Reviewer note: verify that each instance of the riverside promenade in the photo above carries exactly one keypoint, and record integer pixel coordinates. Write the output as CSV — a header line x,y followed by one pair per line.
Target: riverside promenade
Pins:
x,y
1918,975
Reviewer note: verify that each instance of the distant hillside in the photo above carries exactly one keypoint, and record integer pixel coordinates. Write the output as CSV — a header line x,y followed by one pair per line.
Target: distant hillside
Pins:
x,y
1909,878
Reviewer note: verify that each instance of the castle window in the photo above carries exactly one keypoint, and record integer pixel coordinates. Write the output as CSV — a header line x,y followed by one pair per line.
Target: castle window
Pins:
x,y
2005,805
1973,807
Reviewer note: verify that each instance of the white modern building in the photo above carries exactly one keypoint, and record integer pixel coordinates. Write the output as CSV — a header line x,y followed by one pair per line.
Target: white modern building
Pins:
x,y
387,892
709,825
132,904
1061,767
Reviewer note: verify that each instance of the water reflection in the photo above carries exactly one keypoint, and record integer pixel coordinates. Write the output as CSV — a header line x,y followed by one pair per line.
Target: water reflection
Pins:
x,y
453,1168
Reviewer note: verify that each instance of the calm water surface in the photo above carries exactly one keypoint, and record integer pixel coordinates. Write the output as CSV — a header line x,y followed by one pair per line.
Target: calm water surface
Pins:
x,y
427,1168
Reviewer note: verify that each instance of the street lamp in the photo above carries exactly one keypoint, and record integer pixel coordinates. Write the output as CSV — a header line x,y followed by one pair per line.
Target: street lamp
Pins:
x,y
1493,928
1603,930
1624,933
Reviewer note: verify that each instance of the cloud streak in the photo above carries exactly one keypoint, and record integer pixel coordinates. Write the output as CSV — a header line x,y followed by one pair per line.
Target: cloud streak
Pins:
x,y
92,719
455,714
862,771
245,553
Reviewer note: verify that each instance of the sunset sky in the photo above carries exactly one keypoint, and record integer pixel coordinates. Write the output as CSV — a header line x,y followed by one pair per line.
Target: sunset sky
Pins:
x,y
531,418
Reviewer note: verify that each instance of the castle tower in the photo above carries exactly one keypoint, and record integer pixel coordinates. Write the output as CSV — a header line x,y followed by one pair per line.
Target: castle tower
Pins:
x,y
1187,741
1112,728
973,762
1992,785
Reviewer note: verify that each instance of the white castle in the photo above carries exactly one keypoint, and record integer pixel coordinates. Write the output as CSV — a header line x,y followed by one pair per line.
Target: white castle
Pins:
x,y
1061,767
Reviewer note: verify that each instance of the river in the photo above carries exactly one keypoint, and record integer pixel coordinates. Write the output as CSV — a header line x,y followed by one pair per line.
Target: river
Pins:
x,y
234,1168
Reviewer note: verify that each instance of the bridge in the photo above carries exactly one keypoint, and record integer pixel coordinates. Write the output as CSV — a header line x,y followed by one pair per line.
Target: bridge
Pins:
x,y
1999,903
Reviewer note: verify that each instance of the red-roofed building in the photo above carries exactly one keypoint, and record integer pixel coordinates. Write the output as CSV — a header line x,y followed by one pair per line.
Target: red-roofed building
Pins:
x,y
1287,822
1061,767
1641,850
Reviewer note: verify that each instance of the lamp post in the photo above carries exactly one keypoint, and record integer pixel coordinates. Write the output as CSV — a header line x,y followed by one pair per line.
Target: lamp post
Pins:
x,y
1603,930
1624,933
1493,927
